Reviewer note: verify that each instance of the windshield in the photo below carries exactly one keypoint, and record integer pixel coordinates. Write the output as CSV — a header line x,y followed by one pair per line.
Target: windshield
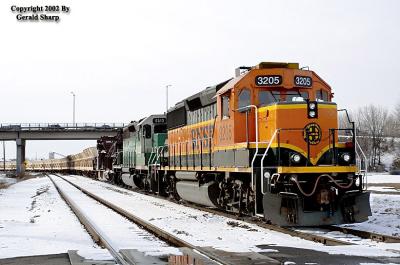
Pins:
x,y
296,96
266,97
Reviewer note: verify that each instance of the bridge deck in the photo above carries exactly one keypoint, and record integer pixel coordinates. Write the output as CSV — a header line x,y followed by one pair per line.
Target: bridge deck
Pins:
x,y
57,131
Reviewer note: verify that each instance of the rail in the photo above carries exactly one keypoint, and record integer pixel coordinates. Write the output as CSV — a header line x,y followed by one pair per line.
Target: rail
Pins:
x,y
90,226
365,234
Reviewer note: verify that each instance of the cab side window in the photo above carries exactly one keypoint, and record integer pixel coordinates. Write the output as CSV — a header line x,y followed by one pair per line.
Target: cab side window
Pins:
x,y
244,98
322,95
147,131
225,107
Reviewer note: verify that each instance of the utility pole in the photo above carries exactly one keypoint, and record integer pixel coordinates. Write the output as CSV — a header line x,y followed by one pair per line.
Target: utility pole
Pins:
x,y
73,108
4,156
167,86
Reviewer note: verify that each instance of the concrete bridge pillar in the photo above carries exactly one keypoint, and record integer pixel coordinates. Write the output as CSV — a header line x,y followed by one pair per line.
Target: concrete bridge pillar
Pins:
x,y
20,157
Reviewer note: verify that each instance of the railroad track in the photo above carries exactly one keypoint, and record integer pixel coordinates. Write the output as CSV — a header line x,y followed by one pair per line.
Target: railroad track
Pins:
x,y
318,236
321,237
365,234
92,228
229,258
206,256
329,241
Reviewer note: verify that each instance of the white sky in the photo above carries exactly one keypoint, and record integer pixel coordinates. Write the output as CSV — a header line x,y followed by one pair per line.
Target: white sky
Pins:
x,y
117,56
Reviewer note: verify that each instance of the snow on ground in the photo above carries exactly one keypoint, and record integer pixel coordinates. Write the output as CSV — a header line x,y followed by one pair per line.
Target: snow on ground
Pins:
x,y
387,159
205,229
34,220
122,233
385,205
385,215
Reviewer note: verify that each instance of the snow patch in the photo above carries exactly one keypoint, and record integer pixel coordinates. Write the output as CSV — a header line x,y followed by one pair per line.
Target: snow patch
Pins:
x,y
34,220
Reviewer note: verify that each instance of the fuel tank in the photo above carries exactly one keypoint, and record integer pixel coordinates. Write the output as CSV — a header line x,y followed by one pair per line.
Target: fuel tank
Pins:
x,y
127,179
205,194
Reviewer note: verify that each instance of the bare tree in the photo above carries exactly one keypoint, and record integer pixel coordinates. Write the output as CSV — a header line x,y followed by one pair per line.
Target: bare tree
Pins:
x,y
390,129
396,118
372,122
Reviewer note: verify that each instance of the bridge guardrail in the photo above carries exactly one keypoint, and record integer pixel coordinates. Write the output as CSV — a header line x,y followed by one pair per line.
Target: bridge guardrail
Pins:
x,y
59,126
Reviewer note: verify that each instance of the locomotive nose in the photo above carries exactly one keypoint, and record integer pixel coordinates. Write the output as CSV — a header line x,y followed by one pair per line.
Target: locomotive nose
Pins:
x,y
303,129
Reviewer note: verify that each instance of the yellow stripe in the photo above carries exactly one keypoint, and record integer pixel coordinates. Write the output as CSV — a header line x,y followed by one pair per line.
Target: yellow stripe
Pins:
x,y
281,170
207,168
286,106
294,106
327,106
252,145
318,169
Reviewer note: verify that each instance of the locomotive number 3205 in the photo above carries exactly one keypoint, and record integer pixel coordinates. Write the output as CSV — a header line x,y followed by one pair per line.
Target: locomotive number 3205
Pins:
x,y
304,81
268,80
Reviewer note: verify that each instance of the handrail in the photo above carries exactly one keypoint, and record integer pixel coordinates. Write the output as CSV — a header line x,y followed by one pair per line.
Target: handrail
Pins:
x,y
151,157
263,157
256,152
358,157
365,170
158,153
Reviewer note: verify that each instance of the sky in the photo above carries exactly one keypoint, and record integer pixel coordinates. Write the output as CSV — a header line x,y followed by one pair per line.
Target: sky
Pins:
x,y
118,56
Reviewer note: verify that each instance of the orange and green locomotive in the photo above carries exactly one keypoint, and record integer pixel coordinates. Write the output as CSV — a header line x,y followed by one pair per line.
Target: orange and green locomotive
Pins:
x,y
265,143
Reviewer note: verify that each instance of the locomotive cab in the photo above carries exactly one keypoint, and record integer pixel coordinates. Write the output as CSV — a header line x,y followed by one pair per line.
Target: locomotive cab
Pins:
x,y
141,145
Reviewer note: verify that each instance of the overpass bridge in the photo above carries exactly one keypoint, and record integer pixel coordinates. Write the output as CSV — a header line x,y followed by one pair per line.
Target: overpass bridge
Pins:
x,y
20,132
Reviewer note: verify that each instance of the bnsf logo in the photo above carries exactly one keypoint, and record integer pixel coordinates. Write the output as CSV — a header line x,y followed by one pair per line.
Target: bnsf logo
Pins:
x,y
312,133
202,134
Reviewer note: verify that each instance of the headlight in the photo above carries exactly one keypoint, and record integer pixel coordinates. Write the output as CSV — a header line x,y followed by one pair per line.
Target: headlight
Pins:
x,y
346,157
295,158
312,109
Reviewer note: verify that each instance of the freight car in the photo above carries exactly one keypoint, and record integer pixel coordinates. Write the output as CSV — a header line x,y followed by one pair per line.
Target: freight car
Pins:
x,y
264,143
84,163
